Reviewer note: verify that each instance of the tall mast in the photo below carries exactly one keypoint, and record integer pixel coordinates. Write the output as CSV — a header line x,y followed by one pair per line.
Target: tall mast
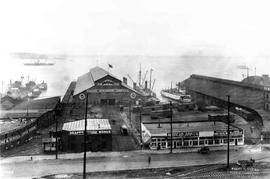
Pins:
x,y
150,78
140,75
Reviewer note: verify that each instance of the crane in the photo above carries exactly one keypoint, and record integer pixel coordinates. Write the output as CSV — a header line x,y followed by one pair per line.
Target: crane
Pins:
x,y
153,85
130,78
144,77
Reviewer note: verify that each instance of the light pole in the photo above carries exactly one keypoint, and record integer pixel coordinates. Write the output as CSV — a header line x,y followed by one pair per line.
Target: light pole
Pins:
x,y
171,125
85,135
56,141
141,127
228,134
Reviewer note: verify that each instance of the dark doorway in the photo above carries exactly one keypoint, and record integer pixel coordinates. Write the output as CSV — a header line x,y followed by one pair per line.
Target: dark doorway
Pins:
x,y
107,101
236,141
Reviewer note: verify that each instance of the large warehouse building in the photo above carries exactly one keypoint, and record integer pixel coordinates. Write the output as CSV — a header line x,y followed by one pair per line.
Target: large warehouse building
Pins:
x,y
99,135
192,134
249,95
103,88
251,101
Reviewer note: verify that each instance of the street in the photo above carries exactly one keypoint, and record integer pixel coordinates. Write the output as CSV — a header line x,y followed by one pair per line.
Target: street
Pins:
x,y
123,161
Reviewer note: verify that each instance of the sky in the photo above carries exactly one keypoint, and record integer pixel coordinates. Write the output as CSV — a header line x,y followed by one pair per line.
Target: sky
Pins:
x,y
224,28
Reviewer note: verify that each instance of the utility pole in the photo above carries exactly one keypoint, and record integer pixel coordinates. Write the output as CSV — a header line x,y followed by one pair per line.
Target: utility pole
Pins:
x,y
140,75
85,135
171,126
56,141
228,135
130,113
141,127
151,70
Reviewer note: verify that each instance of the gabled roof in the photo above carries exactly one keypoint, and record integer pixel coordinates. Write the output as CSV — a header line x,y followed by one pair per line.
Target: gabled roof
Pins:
x,y
88,80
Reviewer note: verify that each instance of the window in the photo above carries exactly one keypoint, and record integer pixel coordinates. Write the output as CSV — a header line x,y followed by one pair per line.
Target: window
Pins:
x,y
186,143
216,141
195,142
240,140
210,142
201,142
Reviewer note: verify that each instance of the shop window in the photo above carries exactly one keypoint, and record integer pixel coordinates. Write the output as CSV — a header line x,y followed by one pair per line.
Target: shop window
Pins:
x,y
201,142
186,143
179,143
240,140
210,142
195,142
163,144
216,141
225,141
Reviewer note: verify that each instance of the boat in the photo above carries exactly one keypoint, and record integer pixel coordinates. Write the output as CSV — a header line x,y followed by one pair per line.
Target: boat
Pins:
x,y
176,95
18,90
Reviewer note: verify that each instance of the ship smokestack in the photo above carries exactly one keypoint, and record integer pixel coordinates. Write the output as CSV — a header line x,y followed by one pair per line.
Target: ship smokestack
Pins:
x,y
134,85
125,80
145,85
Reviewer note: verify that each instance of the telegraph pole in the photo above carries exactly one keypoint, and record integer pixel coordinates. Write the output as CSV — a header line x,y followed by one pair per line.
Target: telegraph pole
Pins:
x,y
141,127
56,141
171,126
228,134
85,135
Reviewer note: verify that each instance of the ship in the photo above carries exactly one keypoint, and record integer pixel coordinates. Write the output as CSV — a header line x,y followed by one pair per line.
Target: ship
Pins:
x,y
18,90
176,95
146,87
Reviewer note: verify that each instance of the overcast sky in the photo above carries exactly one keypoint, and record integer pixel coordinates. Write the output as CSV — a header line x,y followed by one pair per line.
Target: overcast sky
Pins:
x,y
137,27
148,27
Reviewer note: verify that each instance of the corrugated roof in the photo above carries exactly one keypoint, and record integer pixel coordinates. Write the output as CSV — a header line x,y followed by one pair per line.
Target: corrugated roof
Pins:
x,y
84,82
69,92
46,103
188,127
92,125
87,80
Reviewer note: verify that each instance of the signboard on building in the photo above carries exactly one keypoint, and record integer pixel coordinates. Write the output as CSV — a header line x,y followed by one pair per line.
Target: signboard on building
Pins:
x,y
206,133
184,134
107,90
90,132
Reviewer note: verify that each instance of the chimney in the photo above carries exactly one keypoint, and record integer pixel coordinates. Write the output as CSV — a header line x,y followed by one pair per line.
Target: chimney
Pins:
x,y
125,80
134,85
265,77
145,85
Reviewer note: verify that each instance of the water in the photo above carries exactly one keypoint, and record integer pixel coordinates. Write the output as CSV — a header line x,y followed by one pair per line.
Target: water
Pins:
x,y
166,69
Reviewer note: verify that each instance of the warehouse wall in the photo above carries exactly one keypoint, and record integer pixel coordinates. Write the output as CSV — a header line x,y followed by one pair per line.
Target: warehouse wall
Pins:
x,y
250,97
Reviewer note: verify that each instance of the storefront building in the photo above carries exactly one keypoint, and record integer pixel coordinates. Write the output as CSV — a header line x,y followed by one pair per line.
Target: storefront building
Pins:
x,y
99,136
195,134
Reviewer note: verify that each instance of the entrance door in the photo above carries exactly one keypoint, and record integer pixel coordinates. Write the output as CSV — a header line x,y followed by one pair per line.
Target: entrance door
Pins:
x,y
111,101
107,101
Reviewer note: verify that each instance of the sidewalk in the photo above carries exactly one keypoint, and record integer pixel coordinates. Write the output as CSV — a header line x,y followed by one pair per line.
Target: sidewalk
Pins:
x,y
70,156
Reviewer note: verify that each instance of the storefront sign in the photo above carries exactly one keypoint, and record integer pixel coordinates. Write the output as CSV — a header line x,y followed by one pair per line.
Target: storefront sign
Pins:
x,y
89,132
107,90
206,133
224,133
184,134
